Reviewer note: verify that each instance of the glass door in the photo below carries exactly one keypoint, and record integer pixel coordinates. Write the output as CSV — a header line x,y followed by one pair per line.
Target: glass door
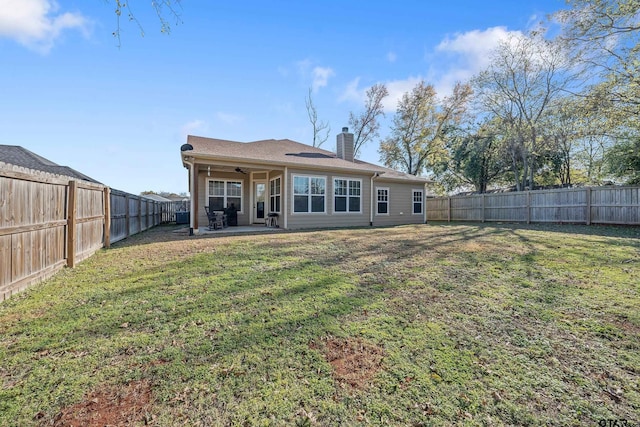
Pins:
x,y
259,202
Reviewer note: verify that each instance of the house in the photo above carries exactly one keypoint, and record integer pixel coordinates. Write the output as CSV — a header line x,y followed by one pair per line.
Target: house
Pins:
x,y
19,156
306,187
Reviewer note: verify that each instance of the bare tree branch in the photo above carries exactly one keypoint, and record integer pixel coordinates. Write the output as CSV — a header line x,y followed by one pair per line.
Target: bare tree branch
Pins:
x,y
163,9
365,125
321,129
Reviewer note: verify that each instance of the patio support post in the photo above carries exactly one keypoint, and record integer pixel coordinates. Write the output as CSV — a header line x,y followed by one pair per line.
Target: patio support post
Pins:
x,y
191,193
285,193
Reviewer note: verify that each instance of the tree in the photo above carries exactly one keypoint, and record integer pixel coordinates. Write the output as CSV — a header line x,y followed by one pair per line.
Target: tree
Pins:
x,y
365,125
605,37
624,160
563,128
321,129
164,9
420,125
475,157
525,75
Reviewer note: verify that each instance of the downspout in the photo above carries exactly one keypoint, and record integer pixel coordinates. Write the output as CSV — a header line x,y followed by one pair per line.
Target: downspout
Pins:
x,y
424,200
191,200
285,197
375,175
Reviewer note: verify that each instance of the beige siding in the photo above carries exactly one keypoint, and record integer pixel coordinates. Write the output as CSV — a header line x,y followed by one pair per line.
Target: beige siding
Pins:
x,y
329,218
400,204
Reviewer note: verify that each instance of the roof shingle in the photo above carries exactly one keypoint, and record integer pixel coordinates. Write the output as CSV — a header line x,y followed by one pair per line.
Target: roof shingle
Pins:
x,y
285,152
19,156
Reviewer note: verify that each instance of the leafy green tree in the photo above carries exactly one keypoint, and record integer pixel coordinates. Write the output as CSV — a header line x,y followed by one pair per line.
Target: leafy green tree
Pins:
x,y
624,160
476,157
605,36
420,126
524,77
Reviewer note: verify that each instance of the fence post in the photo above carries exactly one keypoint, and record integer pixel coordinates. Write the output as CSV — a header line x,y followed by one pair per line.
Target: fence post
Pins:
x,y
483,207
139,214
588,213
528,207
127,215
71,225
449,209
107,217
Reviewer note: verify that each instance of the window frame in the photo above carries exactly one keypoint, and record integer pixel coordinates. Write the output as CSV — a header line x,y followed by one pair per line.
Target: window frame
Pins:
x,y
413,201
309,195
388,201
226,196
347,196
273,195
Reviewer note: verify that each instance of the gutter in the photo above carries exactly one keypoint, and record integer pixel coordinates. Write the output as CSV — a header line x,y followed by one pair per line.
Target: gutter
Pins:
x,y
424,200
375,175
191,186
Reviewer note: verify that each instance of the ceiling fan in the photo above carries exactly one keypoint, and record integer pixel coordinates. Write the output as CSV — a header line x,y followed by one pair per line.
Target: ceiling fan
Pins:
x,y
240,171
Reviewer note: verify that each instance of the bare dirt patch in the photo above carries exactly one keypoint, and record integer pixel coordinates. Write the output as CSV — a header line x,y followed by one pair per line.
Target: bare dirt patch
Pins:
x,y
110,406
354,361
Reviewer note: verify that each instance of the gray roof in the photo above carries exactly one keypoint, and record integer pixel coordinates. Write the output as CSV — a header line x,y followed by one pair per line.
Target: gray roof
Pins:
x,y
19,156
285,152
156,197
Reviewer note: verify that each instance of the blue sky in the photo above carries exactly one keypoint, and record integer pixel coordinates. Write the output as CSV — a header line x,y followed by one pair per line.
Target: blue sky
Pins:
x,y
229,70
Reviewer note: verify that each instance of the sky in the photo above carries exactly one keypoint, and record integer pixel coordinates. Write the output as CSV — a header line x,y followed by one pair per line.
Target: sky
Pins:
x,y
236,70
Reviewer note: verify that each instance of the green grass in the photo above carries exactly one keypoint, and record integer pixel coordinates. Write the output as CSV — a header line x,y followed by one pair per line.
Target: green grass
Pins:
x,y
478,324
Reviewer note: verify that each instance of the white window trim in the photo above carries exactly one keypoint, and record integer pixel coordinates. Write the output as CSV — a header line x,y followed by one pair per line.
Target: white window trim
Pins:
x,y
421,191
275,194
225,180
293,195
347,212
388,201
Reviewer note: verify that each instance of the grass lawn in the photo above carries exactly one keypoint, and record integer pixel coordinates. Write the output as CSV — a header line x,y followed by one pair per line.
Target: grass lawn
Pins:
x,y
417,325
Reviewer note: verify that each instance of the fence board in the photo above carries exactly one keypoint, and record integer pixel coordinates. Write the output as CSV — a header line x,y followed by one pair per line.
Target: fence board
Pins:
x,y
44,218
599,205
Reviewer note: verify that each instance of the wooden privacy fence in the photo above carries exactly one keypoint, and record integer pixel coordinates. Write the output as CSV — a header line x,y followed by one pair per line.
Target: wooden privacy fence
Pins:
x,y
589,205
48,221
132,214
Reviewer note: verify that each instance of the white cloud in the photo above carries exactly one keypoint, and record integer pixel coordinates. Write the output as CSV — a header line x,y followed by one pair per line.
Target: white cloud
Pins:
x,y
321,77
396,88
36,23
230,119
194,127
352,93
466,54
474,47
391,56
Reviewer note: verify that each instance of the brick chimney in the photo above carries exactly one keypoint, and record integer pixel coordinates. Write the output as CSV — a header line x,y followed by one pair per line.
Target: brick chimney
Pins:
x,y
344,145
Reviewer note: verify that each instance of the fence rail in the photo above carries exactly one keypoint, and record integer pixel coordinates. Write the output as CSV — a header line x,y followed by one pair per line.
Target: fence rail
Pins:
x,y
48,221
590,205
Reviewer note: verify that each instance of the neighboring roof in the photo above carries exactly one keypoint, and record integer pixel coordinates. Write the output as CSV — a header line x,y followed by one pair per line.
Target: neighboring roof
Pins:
x,y
156,197
19,156
287,153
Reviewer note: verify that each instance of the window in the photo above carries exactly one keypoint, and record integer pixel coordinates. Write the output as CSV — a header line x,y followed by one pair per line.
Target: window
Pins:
x,y
309,194
346,195
274,195
383,201
223,194
417,202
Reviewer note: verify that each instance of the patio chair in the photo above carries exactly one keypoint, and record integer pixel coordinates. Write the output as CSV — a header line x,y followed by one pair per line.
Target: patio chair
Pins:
x,y
216,219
